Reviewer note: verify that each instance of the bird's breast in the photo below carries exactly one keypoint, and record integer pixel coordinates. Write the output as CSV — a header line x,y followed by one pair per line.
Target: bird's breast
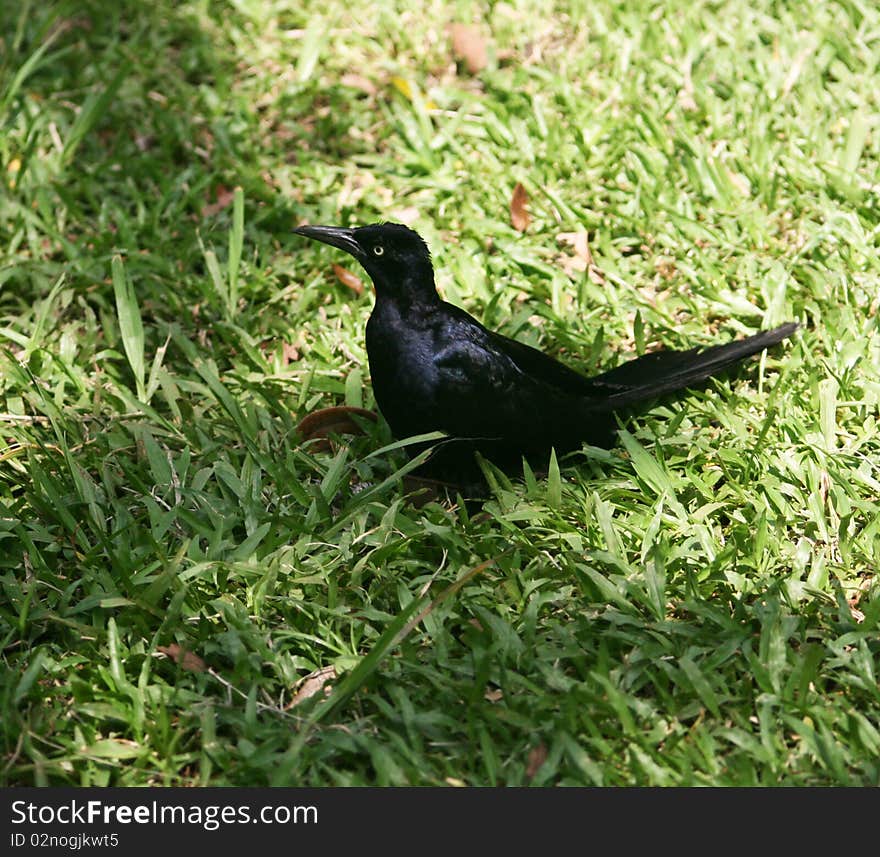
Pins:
x,y
403,374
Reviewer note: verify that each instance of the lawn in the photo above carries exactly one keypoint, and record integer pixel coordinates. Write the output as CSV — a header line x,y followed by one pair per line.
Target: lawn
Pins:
x,y
195,594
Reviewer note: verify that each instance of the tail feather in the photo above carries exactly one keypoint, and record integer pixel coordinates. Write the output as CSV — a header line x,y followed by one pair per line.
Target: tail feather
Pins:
x,y
662,372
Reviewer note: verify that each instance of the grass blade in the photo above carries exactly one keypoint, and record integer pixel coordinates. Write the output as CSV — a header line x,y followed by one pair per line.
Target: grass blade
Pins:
x,y
95,106
27,68
859,127
36,337
554,482
130,324
236,243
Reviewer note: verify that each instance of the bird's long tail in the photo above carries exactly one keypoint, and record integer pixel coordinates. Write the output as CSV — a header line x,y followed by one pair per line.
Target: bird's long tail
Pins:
x,y
666,371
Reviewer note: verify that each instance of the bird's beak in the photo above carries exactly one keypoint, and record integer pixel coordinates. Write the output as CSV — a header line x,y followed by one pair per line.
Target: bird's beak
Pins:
x,y
335,236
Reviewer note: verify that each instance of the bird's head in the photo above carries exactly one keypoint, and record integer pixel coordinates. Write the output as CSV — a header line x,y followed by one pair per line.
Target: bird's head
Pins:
x,y
395,256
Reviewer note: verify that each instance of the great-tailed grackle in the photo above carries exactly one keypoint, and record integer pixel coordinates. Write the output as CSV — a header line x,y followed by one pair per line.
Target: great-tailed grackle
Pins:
x,y
436,368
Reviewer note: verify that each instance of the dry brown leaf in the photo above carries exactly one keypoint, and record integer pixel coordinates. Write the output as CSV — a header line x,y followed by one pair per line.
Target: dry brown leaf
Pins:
x,y
327,421
493,695
597,276
358,81
856,596
289,354
665,268
583,258
469,47
864,585
537,757
519,215
347,278
311,684
223,198
188,660
407,216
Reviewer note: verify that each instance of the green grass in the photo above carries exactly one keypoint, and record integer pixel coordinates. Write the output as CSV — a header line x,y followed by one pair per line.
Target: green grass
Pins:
x,y
696,606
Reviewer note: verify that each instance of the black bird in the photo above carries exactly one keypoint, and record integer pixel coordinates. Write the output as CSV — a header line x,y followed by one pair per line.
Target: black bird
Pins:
x,y
436,368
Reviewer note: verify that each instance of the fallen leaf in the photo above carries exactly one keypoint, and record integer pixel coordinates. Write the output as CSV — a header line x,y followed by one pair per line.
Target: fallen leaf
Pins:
x,y
665,268
407,216
519,215
223,198
311,684
493,695
358,81
597,276
469,47
188,660
856,597
289,354
347,278
327,421
537,757
583,258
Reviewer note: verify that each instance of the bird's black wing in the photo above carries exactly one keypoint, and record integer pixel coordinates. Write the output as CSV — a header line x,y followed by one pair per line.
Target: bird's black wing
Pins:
x,y
475,367
529,361
491,386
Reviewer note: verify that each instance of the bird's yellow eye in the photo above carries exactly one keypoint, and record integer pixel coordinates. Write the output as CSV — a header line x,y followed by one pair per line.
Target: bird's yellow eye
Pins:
x,y
378,249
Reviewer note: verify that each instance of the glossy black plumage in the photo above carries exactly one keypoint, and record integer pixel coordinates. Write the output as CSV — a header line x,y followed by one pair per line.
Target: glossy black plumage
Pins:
x,y
434,367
